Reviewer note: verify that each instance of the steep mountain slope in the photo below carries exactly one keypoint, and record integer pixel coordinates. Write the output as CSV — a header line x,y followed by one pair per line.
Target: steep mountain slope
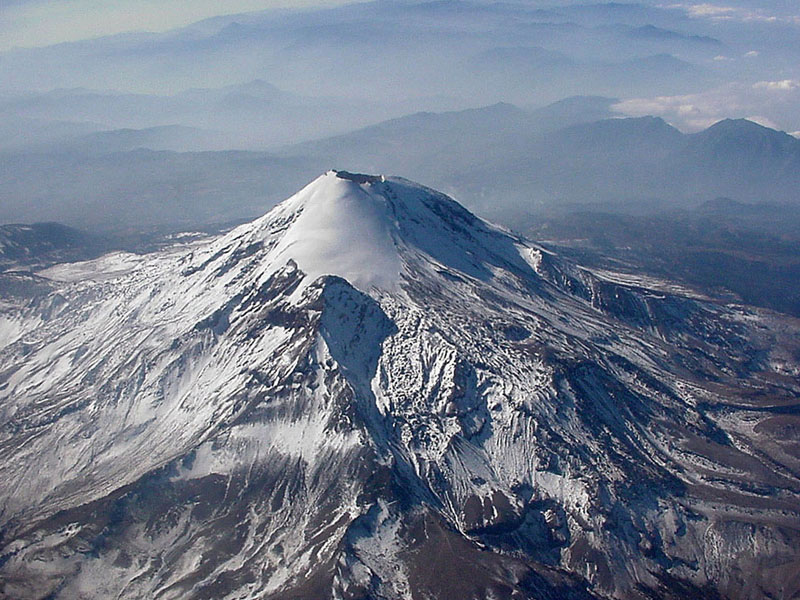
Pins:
x,y
371,393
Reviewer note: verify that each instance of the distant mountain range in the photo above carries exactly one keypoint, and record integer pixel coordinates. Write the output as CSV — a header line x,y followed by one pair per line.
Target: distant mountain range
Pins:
x,y
141,190
254,114
43,243
500,160
747,252
330,49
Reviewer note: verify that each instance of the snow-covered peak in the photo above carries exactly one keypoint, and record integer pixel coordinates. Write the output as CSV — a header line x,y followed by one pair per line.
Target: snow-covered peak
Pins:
x,y
341,226
365,228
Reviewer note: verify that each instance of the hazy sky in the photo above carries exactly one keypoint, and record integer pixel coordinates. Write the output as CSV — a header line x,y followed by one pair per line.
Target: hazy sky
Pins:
x,y
29,23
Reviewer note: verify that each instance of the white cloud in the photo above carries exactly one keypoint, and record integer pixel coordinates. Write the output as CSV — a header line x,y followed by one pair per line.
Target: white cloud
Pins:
x,y
771,103
710,10
28,23
719,12
751,54
784,85
682,111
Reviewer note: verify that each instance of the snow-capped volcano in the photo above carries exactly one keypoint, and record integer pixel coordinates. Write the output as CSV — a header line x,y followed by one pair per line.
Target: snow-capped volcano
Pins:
x,y
343,229
371,393
366,229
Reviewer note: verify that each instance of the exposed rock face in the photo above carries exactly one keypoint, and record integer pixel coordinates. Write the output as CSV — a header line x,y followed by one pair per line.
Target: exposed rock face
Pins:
x,y
371,393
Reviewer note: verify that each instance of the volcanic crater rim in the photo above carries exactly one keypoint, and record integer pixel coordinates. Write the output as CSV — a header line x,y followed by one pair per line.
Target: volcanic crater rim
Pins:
x,y
360,178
